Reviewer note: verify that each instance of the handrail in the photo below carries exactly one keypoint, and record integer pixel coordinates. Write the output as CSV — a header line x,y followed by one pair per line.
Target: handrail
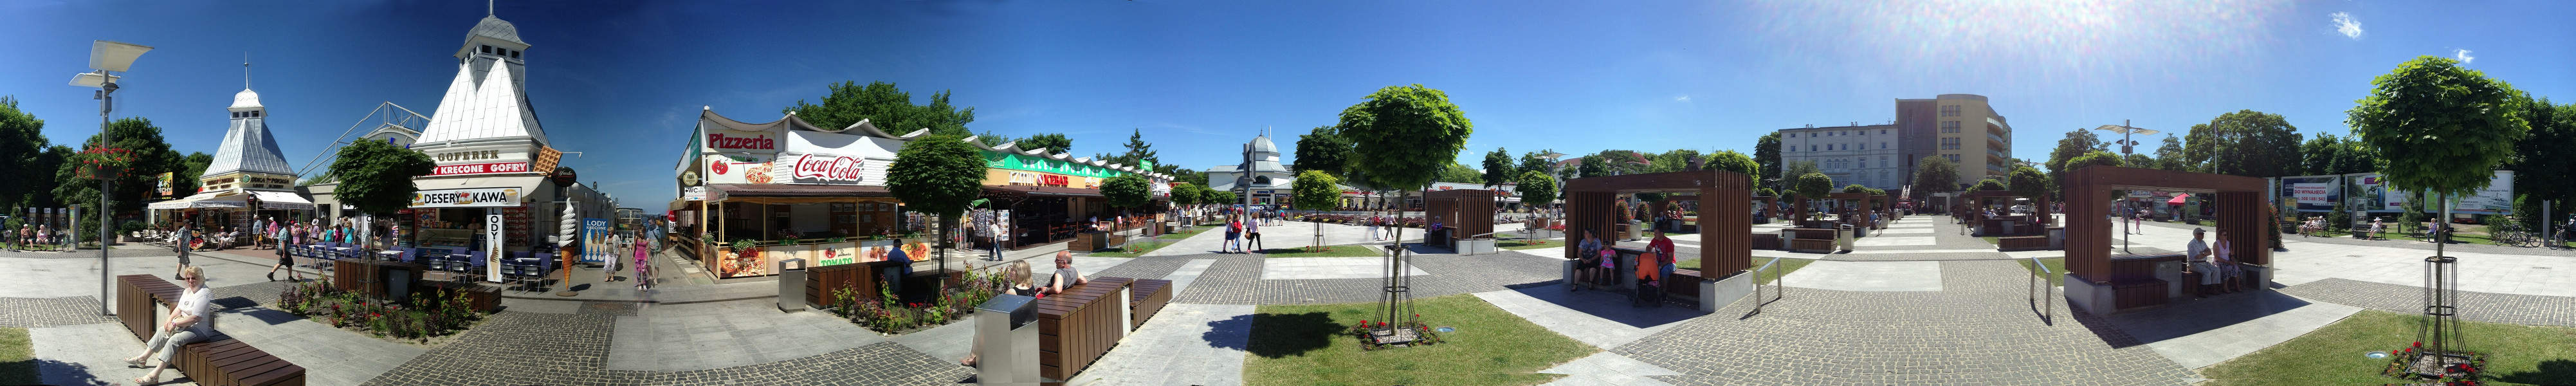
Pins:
x,y
2035,278
1776,280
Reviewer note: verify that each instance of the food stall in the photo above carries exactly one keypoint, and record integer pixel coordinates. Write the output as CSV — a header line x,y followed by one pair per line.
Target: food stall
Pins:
x,y
754,195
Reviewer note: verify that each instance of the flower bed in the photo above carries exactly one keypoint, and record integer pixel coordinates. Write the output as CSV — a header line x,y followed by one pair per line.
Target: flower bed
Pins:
x,y
426,318
2415,364
890,315
1419,334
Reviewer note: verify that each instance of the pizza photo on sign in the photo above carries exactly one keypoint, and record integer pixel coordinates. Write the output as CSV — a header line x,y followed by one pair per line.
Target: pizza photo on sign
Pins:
x,y
757,173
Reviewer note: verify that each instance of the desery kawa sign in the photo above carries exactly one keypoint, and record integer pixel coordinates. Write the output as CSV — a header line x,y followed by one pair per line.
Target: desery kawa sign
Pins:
x,y
467,198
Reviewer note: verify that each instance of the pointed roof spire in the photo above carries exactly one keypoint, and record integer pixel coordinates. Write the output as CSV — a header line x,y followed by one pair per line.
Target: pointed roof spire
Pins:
x,y
487,8
245,70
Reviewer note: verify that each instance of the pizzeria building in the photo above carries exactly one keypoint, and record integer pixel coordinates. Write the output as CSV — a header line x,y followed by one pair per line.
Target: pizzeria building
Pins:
x,y
755,194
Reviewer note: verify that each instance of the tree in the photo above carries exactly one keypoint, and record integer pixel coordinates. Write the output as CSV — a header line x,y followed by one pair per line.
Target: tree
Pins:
x,y
1315,190
1138,152
1811,186
2140,160
2551,147
1672,161
938,175
2076,143
2254,144
1798,169
1989,184
1855,188
1766,151
2198,147
1323,149
376,176
2095,158
192,167
2440,127
2029,182
1224,197
1536,189
2170,156
1935,174
1729,160
50,163
1053,142
1591,166
1404,135
886,107
151,157
22,142
1498,168
1184,193
1127,191
1459,173
1535,161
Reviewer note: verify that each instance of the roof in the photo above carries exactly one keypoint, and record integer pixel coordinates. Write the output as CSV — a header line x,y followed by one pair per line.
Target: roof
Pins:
x,y
1025,191
248,147
864,127
245,99
494,27
488,106
1013,147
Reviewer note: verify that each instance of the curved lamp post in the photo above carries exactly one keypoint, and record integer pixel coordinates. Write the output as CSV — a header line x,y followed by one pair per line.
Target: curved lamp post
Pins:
x,y
106,58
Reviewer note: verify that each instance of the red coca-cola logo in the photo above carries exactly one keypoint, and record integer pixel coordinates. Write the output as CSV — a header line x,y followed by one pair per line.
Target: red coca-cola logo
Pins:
x,y
828,167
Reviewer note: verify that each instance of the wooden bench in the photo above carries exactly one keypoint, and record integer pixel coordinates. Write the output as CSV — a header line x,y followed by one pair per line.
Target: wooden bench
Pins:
x,y
2021,243
1767,241
2133,280
1079,326
1817,240
1148,298
217,360
1684,282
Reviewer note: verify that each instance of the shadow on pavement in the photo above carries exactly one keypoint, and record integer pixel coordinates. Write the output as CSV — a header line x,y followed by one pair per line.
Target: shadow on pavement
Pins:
x,y
2185,317
2551,372
1609,305
69,373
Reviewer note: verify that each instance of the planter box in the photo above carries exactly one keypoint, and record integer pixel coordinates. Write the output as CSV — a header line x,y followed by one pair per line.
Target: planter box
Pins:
x,y
1473,246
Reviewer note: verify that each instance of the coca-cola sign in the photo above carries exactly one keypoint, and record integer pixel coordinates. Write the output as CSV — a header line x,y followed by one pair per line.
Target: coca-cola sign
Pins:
x,y
828,168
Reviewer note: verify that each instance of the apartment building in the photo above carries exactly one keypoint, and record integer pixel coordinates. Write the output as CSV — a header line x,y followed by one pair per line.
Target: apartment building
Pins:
x,y
1960,127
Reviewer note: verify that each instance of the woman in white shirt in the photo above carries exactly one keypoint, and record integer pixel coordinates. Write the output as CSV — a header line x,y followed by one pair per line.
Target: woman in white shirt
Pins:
x,y
189,322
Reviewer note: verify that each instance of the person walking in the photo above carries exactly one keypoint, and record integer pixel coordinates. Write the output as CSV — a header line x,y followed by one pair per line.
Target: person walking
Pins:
x,y
642,257
1233,235
284,261
1371,221
1000,238
1252,237
186,236
189,321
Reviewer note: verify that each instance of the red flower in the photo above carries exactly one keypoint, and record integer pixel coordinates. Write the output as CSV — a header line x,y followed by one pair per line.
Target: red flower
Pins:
x,y
2419,344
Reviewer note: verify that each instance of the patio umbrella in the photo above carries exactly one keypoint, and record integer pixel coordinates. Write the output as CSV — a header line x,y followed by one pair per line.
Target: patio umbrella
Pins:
x,y
2178,198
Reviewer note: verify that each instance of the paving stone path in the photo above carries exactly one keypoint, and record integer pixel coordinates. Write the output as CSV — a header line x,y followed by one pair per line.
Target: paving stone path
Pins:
x,y
1236,279
1980,329
49,312
573,349
2537,310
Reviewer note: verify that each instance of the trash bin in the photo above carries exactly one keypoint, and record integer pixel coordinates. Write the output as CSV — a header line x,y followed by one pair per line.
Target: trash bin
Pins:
x,y
791,285
1009,339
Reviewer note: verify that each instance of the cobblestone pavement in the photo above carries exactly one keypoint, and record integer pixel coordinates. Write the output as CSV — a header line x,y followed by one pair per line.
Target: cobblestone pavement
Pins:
x,y
49,312
2294,242
572,349
1149,267
126,250
1236,279
1980,330
2478,306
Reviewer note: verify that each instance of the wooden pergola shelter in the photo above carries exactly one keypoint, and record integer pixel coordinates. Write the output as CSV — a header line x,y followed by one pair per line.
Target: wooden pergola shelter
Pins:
x,y
1867,203
2092,273
1592,205
1463,212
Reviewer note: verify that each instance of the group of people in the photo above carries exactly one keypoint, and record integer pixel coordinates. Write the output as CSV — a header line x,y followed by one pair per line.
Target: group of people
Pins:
x,y
1241,236
28,236
1598,267
1380,228
2215,263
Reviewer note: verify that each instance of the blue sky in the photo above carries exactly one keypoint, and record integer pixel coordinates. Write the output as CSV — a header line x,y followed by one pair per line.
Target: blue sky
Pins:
x,y
621,81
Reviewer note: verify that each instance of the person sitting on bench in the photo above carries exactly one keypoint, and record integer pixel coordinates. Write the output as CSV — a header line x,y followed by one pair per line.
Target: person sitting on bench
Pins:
x,y
1649,290
189,322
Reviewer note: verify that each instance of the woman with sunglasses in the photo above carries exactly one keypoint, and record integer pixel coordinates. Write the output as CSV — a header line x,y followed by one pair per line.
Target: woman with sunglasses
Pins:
x,y
189,322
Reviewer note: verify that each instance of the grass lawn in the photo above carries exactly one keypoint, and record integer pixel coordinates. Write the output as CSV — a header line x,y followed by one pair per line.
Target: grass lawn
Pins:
x,y
1328,251
1520,244
1186,234
2519,355
17,358
1992,239
2055,264
1787,265
1307,344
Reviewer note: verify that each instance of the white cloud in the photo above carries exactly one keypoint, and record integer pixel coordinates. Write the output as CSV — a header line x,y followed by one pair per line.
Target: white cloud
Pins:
x,y
2463,55
1682,98
2345,25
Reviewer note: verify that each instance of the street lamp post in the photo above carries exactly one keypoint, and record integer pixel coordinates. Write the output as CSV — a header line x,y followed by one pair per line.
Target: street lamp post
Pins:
x,y
107,58
2127,147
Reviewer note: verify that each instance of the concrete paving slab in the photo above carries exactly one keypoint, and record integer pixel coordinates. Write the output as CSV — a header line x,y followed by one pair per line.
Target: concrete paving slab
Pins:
x,y
1327,268
2200,333
1868,276
1185,344
88,354
1601,319
1608,368
1893,241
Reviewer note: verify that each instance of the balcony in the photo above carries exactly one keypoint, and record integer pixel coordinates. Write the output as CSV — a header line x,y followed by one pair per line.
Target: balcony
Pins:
x,y
1997,140
1998,154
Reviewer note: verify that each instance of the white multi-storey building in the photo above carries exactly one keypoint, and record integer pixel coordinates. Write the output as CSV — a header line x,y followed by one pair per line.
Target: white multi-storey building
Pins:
x,y
1857,154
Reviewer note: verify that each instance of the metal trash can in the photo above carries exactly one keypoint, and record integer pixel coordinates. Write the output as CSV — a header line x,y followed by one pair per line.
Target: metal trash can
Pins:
x,y
1008,336
791,285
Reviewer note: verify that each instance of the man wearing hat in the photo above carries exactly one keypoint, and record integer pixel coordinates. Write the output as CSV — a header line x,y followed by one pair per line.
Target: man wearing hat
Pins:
x,y
2198,254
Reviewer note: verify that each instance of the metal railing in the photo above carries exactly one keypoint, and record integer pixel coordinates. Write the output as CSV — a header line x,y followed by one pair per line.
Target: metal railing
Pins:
x,y
2040,273
1777,279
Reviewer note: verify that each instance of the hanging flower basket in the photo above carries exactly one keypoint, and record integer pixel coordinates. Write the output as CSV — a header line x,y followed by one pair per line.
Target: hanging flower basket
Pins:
x,y
101,162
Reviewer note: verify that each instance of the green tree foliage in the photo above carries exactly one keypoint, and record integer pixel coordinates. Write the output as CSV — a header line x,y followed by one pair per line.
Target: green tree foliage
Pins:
x,y
1053,142
192,167
1314,190
1729,160
2253,144
1672,161
2139,160
2098,157
2441,127
1935,174
1459,173
2076,143
376,177
1766,151
1185,193
1535,161
2551,147
22,143
1989,184
1592,166
1498,168
1855,188
2170,155
1225,197
152,156
1799,169
937,175
1404,134
1812,186
1127,191
1536,189
886,107
1324,150
2328,154
1137,151
2029,182
39,186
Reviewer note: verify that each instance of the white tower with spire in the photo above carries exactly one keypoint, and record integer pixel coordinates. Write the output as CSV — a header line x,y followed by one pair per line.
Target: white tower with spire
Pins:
x,y
248,158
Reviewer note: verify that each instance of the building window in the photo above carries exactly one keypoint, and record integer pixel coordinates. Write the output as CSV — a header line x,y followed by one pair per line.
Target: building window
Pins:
x,y
1882,145
1954,158
514,54
1793,135
1950,111
1949,127
1882,131
1811,147
1951,143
